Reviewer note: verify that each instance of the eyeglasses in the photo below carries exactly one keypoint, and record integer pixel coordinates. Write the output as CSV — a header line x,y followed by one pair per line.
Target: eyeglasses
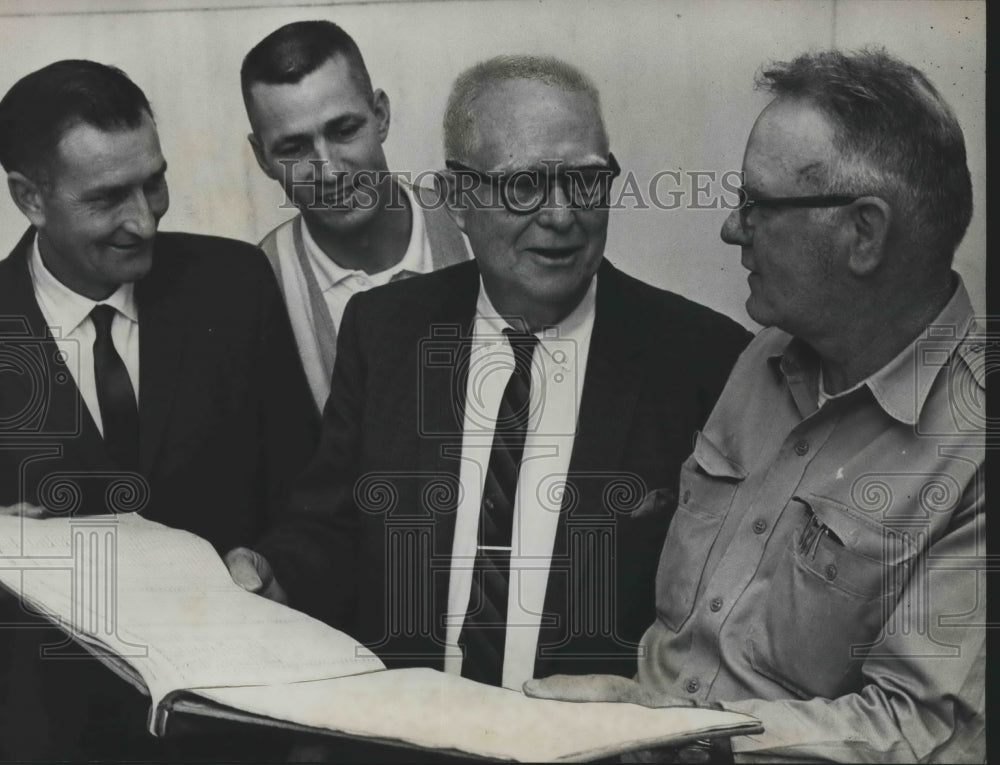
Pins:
x,y
522,192
747,202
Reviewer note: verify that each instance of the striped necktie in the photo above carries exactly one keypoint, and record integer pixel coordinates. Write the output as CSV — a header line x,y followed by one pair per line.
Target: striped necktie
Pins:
x,y
484,631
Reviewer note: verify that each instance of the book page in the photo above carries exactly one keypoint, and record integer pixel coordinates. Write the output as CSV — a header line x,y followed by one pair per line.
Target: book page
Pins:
x,y
163,600
164,604
429,709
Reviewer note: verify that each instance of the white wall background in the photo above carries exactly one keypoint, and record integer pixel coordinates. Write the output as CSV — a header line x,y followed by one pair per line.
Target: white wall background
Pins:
x,y
675,76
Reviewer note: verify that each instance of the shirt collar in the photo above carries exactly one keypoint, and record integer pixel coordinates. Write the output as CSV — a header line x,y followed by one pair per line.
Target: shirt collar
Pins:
x,y
901,387
416,259
65,308
574,329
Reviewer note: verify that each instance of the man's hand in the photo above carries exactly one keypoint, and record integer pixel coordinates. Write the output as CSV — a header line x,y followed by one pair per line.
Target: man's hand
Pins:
x,y
624,690
25,509
251,571
602,688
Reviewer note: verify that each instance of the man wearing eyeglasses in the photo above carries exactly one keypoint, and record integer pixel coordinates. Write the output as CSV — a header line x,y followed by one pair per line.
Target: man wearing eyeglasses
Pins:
x,y
477,504
824,571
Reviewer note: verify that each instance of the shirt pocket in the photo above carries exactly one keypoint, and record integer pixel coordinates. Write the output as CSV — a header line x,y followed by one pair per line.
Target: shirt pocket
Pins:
x,y
829,595
708,482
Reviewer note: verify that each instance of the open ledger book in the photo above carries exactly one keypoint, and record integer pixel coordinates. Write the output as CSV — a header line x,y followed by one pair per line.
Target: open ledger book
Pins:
x,y
157,605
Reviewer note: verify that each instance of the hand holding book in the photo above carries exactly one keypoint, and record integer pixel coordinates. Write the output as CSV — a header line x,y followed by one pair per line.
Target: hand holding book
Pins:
x,y
251,571
622,690
160,608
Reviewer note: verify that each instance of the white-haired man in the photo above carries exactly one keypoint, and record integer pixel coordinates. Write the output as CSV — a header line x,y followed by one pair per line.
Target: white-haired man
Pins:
x,y
486,523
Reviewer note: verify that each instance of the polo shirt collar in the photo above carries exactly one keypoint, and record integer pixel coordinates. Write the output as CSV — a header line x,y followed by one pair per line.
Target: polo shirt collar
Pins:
x,y
415,259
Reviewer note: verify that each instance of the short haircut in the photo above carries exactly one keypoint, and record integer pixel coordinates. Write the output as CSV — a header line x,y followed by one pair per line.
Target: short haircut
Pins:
x,y
291,52
896,136
38,110
459,119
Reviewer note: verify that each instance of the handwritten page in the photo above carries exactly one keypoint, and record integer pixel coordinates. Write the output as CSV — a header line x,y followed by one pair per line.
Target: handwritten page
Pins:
x,y
163,600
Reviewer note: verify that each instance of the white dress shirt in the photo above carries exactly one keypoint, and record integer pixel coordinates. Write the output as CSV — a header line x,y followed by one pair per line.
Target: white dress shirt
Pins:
x,y
339,284
557,373
67,315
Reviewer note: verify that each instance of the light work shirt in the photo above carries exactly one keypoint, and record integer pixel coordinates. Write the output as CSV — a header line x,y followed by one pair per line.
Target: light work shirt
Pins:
x,y
824,570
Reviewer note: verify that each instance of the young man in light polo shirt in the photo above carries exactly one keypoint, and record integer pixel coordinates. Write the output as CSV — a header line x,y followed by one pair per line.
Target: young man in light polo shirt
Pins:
x,y
318,128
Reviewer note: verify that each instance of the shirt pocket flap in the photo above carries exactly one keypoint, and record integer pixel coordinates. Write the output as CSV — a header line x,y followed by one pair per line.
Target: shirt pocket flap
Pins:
x,y
708,484
862,536
713,462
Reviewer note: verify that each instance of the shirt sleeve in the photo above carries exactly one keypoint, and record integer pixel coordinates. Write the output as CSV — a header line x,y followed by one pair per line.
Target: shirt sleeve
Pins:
x,y
923,698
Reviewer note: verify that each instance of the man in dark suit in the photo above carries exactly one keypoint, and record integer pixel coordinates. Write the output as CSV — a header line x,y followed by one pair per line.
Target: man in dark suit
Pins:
x,y
496,524
145,372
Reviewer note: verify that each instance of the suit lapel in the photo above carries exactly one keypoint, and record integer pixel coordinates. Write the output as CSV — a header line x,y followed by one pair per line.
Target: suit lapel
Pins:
x,y
162,333
443,362
612,384
61,410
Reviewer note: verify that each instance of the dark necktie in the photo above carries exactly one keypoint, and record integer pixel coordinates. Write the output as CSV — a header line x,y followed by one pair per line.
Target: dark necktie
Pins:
x,y
115,394
484,631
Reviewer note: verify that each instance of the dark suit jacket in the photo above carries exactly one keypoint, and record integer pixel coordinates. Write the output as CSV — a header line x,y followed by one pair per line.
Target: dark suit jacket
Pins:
x,y
226,421
367,544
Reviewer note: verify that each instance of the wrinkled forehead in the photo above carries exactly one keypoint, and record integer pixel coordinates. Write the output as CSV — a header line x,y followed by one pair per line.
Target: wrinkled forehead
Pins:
x,y
790,149
527,123
87,155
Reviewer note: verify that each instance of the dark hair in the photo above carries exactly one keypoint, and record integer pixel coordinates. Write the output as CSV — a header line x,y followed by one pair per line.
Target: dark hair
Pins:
x,y
290,53
42,106
896,137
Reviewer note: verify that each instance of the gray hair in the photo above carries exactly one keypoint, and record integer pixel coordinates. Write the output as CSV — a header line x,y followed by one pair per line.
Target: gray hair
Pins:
x,y
459,119
896,138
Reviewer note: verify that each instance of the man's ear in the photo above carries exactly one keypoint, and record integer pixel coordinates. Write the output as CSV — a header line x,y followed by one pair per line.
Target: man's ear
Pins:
x,y
869,234
258,153
27,195
380,106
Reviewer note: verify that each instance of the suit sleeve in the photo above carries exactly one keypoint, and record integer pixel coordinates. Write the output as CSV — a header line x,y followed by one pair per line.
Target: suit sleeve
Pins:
x,y
288,423
311,549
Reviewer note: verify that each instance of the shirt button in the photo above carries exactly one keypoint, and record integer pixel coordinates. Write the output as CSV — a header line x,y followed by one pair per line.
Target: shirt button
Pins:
x,y
692,685
801,447
716,604
759,526
831,572
687,496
